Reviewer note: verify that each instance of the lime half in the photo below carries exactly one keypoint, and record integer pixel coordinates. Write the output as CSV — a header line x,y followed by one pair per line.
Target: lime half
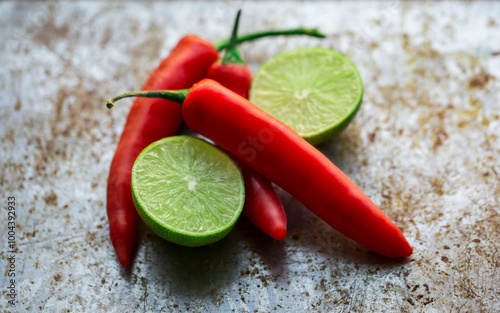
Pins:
x,y
187,191
315,91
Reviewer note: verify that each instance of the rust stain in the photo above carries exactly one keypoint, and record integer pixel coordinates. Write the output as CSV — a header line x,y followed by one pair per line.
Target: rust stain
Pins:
x,y
479,80
18,105
51,198
57,277
373,135
437,185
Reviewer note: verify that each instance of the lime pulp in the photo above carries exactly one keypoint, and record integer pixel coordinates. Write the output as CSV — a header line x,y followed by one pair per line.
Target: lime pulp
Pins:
x,y
316,91
187,191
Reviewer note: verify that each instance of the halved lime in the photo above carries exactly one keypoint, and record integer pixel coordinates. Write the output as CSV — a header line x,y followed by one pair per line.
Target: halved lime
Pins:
x,y
315,91
187,191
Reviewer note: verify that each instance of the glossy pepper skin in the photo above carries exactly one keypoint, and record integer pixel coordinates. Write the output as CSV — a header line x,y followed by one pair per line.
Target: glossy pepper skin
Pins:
x,y
150,120
235,77
231,71
262,205
282,156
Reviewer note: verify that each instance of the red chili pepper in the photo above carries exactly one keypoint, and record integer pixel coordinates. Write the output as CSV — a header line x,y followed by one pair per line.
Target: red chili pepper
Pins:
x,y
285,158
231,71
233,76
262,205
152,119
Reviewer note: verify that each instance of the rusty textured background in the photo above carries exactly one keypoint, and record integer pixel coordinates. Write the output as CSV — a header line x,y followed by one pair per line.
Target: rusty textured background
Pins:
x,y
425,147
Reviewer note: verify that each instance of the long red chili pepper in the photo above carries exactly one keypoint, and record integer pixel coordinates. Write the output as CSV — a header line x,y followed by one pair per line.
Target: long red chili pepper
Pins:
x,y
262,205
152,119
285,158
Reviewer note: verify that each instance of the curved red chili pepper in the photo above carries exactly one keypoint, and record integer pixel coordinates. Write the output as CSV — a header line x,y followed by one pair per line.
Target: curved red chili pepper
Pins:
x,y
262,205
278,153
152,119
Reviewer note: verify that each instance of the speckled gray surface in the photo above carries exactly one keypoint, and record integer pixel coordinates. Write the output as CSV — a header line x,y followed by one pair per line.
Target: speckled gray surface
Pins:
x,y
424,146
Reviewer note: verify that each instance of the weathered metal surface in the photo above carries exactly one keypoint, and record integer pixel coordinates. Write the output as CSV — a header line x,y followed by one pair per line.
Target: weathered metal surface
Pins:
x,y
425,147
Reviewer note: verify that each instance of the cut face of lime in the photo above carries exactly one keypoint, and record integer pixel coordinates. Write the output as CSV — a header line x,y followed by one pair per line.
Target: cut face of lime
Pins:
x,y
315,91
187,191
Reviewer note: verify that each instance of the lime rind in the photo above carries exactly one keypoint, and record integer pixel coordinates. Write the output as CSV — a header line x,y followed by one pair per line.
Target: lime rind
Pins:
x,y
187,191
316,91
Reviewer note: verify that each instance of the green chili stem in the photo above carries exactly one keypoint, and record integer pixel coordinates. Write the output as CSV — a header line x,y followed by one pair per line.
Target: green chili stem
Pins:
x,y
173,95
314,32
232,55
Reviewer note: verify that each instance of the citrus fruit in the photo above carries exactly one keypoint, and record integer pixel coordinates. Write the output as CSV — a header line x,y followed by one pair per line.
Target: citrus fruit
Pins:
x,y
187,191
315,91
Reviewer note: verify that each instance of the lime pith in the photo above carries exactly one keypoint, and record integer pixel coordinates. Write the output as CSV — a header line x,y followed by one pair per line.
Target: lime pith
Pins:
x,y
187,191
315,91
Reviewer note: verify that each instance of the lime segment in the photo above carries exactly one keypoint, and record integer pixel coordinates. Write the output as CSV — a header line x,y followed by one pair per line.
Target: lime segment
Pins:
x,y
315,91
187,191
